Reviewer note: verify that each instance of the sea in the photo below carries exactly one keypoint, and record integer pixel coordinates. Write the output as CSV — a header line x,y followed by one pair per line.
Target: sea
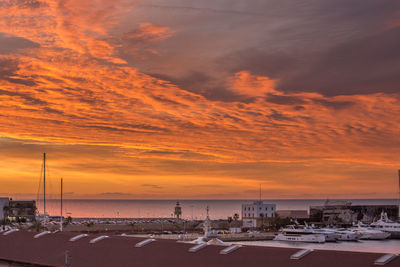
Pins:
x,y
191,209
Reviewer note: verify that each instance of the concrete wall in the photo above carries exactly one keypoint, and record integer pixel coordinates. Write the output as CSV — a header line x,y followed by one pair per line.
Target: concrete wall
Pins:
x,y
295,214
249,223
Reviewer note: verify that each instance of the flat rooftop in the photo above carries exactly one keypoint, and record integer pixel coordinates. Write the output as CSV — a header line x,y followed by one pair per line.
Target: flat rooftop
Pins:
x,y
49,250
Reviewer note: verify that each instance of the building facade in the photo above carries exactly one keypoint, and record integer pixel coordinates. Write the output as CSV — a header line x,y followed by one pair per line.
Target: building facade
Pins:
x,y
293,214
4,202
349,214
254,213
20,210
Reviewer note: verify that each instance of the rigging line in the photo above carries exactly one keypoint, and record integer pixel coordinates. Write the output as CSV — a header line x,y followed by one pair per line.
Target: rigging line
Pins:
x,y
50,183
40,184
50,194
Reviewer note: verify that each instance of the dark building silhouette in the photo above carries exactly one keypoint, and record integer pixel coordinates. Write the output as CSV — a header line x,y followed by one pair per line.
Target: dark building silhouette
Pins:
x,y
20,210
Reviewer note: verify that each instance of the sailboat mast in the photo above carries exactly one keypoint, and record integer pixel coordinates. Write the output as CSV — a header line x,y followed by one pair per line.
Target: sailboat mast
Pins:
x,y
44,184
399,193
61,206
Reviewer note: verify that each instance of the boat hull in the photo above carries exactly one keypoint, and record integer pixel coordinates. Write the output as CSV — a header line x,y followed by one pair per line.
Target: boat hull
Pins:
x,y
349,237
375,236
394,235
301,238
331,237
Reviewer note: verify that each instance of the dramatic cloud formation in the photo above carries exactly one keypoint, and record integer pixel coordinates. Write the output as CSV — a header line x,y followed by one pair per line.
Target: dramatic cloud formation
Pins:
x,y
148,100
138,41
245,83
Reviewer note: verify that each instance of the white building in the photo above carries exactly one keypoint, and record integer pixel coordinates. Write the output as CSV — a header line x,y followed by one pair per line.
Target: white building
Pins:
x,y
4,202
251,213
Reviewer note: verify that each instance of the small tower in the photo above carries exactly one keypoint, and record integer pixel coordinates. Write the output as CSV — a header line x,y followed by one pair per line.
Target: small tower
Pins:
x,y
178,210
207,226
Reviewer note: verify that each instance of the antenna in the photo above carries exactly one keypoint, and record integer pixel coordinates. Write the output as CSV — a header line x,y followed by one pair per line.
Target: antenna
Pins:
x,y
399,192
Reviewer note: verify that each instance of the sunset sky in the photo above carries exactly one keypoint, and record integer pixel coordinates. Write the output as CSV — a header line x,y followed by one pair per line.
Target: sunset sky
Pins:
x,y
184,99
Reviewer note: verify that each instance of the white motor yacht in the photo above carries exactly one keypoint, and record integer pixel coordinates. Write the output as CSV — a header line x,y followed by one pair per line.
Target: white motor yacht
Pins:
x,y
370,233
345,234
330,236
386,225
299,234
308,238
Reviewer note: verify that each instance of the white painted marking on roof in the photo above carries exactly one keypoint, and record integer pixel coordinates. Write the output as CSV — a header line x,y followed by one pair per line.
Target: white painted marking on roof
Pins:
x,y
126,235
217,242
41,234
97,239
77,237
229,249
198,247
11,231
144,242
385,259
300,254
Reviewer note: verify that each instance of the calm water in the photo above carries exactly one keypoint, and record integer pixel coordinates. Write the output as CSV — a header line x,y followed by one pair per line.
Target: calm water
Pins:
x,y
191,209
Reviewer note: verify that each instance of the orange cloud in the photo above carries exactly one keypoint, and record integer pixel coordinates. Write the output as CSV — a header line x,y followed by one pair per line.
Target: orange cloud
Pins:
x,y
245,83
148,33
138,42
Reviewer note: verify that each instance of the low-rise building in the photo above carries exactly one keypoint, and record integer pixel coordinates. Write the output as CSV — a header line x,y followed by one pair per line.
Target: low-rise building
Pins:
x,y
293,214
346,213
20,210
4,202
254,213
